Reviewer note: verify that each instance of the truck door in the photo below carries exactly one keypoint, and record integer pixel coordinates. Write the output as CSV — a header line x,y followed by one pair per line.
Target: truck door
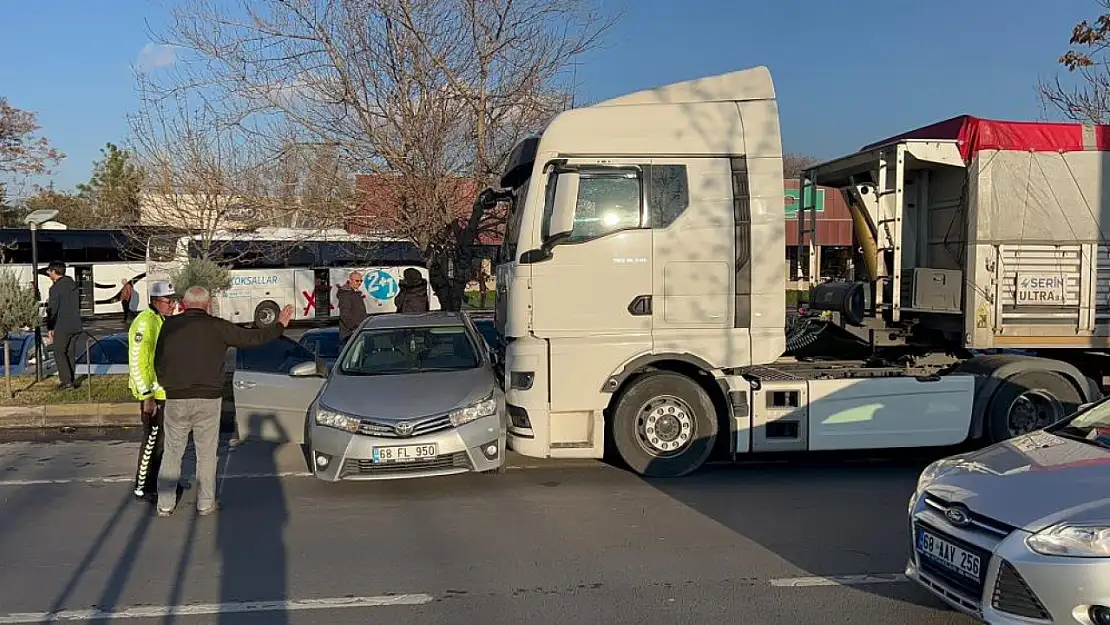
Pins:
x,y
592,298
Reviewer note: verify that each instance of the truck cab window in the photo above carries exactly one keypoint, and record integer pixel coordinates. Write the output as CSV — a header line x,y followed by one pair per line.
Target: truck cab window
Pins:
x,y
668,194
607,203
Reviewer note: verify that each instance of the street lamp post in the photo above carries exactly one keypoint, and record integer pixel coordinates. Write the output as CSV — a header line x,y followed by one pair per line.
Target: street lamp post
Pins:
x,y
34,220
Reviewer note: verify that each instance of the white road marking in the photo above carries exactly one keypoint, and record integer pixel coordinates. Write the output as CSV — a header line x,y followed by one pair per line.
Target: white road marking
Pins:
x,y
839,580
201,609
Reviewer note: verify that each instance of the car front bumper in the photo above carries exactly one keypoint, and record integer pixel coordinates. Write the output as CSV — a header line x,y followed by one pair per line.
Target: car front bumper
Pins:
x,y
463,449
1018,586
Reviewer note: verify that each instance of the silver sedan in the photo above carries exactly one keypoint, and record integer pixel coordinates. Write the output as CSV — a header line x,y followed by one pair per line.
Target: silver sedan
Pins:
x,y
409,396
1019,532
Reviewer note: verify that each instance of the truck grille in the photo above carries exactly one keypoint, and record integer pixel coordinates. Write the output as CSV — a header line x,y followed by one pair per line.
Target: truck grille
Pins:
x,y
366,467
1013,596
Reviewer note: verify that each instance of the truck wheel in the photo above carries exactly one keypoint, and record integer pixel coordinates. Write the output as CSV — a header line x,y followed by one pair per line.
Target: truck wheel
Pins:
x,y
266,314
1028,402
664,425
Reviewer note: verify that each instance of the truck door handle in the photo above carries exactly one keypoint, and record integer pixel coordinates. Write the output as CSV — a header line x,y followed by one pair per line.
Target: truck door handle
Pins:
x,y
244,384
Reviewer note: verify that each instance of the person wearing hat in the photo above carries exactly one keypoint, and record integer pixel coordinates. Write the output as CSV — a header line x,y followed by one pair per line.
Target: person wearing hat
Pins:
x,y
142,338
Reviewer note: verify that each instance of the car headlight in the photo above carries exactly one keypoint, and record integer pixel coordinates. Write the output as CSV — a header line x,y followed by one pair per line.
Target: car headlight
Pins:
x,y
337,420
484,408
1073,541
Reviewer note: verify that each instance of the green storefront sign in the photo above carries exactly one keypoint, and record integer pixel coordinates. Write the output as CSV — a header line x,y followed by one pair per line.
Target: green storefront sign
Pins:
x,y
791,200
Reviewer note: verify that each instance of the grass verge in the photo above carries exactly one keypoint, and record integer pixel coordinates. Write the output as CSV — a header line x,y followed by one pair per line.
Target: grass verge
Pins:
x,y
106,389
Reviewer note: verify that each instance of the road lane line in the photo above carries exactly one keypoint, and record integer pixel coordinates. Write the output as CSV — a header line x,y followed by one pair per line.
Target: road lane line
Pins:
x,y
839,580
202,609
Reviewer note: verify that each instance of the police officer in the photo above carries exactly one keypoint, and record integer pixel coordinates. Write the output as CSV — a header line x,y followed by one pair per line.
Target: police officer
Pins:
x,y
142,339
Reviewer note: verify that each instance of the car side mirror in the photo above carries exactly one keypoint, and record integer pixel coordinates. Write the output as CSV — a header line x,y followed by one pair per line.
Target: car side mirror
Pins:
x,y
305,370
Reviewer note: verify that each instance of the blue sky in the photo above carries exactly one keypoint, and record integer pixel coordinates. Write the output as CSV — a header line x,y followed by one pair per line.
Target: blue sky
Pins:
x,y
843,78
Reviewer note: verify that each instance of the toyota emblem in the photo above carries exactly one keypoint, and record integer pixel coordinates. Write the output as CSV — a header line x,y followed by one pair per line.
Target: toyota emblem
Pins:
x,y
403,428
957,517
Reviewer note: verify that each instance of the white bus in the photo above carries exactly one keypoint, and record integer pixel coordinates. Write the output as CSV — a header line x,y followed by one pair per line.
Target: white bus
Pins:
x,y
99,261
272,267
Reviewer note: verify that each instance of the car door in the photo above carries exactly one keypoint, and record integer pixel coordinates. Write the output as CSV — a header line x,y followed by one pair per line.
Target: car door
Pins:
x,y
269,404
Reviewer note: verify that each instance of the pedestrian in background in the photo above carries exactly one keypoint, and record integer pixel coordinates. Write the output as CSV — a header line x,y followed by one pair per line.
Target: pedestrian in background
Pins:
x,y
352,307
142,338
189,363
413,295
63,322
126,292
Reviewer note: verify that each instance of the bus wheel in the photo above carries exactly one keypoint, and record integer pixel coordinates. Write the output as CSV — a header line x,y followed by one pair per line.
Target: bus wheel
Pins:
x,y
664,425
266,314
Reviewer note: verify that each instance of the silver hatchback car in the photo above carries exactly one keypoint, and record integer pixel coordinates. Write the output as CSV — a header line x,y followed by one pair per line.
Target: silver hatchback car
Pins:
x,y
1019,532
409,396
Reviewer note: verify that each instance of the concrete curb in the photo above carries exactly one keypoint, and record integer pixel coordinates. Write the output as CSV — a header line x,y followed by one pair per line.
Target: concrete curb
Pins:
x,y
70,415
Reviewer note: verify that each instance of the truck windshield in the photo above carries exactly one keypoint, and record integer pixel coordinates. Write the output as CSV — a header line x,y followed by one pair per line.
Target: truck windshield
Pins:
x,y
516,215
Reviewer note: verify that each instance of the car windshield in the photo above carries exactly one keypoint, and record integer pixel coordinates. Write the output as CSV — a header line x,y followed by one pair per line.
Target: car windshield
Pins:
x,y
1091,425
410,350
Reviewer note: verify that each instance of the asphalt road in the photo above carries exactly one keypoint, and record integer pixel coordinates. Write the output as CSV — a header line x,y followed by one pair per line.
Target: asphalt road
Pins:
x,y
544,543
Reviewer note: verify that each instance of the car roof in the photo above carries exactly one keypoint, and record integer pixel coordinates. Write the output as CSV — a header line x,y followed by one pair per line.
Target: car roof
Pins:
x,y
331,330
409,320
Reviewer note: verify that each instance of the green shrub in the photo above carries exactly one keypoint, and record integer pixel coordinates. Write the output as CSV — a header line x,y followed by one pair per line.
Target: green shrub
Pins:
x,y
201,272
18,307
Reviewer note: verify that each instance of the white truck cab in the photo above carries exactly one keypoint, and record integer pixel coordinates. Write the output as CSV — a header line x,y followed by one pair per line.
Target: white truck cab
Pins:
x,y
641,296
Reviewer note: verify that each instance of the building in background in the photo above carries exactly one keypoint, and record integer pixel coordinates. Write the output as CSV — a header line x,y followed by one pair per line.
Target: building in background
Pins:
x,y
836,246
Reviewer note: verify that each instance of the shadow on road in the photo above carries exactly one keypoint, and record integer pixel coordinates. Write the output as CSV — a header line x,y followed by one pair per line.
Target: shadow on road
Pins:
x,y
830,516
252,545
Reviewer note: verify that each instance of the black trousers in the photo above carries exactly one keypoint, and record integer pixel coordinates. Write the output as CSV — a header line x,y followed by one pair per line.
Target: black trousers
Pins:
x,y
65,354
150,452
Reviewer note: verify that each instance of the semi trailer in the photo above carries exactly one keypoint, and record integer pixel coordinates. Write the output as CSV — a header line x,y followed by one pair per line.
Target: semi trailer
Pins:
x,y
641,293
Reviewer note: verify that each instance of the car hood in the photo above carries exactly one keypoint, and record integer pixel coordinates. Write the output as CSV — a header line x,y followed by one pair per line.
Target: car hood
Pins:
x,y
1032,481
408,396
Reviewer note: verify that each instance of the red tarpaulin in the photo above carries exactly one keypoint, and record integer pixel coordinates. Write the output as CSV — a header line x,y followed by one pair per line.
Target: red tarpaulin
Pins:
x,y
974,135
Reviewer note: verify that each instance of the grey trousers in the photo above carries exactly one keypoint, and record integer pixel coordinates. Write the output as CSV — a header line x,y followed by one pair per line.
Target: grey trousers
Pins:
x,y
201,417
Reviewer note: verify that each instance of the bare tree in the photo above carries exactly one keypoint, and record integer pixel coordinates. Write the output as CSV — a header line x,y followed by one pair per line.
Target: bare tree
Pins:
x,y
434,93
23,153
1083,95
204,174
794,164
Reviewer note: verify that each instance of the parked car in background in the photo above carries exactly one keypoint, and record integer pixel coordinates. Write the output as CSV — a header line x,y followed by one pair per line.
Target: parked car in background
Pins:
x,y
373,416
1019,532
21,352
324,343
105,355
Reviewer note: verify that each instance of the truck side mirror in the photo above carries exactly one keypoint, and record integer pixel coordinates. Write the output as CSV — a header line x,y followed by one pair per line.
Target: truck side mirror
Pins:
x,y
562,213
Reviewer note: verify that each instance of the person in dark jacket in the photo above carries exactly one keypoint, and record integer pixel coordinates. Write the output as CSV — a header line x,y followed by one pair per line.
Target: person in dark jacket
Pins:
x,y
352,306
189,364
63,322
413,296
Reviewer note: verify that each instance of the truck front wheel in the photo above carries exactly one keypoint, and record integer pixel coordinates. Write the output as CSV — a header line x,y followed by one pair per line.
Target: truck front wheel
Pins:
x,y
1029,401
664,425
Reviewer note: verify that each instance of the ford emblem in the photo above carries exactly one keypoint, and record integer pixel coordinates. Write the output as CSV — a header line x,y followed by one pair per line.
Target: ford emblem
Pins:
x,y
403,428
957,517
